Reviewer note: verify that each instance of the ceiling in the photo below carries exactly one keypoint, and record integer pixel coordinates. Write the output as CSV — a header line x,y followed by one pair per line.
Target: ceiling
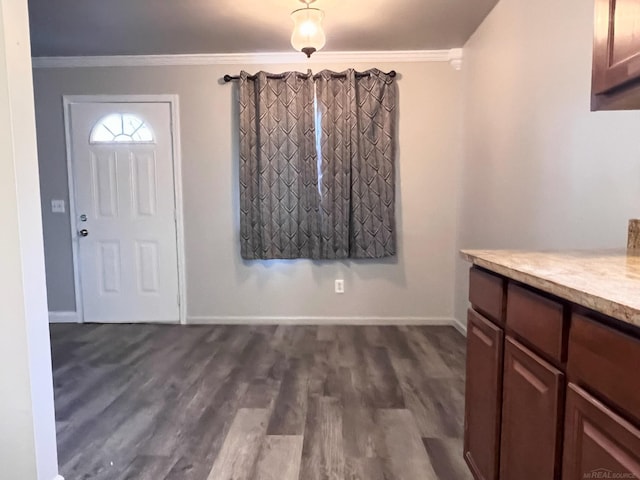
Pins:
x,y
162,27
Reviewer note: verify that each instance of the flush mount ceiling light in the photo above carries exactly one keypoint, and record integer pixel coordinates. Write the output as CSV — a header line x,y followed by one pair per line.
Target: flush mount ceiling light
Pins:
x,y
308,36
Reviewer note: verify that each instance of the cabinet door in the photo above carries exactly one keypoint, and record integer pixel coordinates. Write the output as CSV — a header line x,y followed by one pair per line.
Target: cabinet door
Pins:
x,y
483,396
616,56
598,443
531,416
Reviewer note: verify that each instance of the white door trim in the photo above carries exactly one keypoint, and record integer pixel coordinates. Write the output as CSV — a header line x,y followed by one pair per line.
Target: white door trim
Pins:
x,y
174,105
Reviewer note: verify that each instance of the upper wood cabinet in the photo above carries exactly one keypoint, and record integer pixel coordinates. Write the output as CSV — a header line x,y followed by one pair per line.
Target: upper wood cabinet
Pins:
x,y
616,55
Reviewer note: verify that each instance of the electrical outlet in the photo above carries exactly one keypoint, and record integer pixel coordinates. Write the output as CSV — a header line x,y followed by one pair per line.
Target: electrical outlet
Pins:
x,y
57,206
339,286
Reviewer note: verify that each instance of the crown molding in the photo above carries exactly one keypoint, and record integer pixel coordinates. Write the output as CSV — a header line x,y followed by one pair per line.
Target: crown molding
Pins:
x,y
453,56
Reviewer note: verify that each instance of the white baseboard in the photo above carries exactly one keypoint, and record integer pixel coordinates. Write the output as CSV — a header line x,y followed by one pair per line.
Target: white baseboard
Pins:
x,y
63,317
58,477
461,327
277,320
72,317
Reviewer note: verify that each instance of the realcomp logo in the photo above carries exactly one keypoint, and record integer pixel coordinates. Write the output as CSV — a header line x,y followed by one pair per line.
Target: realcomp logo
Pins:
x,y
607,474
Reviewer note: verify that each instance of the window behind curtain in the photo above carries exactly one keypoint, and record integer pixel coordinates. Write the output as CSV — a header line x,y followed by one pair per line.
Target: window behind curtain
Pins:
x,y
317,162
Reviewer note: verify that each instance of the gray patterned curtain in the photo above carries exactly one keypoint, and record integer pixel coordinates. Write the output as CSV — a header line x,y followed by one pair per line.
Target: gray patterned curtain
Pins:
x,y
279,197
357,151
283,214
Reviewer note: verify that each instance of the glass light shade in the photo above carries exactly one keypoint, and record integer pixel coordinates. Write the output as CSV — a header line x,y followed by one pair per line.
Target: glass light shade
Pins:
x,y
308,36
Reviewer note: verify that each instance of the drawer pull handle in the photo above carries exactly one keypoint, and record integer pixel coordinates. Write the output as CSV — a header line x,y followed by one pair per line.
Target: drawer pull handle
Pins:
x,y
530,377
482,336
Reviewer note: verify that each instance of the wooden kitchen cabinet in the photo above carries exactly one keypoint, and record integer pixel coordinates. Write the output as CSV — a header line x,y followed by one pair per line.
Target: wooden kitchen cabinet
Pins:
x,y
605,360
532,407
483,396
538,321
616,55
487,294
565,360
598,443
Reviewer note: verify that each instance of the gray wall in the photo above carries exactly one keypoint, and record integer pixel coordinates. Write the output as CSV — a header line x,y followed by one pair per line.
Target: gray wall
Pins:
x,y
540,170
418,283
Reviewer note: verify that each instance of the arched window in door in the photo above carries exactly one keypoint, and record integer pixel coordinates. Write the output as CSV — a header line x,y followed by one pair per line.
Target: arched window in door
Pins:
x,y
121,128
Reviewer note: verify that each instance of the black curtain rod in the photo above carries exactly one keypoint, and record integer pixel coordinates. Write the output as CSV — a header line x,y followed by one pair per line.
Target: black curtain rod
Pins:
x,y
230,78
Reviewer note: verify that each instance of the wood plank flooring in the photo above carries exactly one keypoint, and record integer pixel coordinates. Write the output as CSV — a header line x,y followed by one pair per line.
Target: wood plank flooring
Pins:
x,y
153,402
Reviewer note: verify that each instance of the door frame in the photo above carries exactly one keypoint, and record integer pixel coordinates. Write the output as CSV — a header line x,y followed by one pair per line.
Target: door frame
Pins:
x,y
174,107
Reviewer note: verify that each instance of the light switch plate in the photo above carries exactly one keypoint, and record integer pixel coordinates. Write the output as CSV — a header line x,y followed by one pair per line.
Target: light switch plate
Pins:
x,y
57,206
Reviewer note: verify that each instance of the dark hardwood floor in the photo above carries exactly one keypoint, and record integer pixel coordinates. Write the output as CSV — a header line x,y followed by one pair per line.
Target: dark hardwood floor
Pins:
x,y
150,402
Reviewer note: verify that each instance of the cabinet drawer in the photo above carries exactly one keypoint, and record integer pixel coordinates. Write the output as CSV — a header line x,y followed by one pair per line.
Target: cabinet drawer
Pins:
x,y
487,294
539,320
483,395
607,362
597,442
532,406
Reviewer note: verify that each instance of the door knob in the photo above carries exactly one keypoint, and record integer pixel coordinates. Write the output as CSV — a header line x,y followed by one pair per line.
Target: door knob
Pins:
x,y
84,232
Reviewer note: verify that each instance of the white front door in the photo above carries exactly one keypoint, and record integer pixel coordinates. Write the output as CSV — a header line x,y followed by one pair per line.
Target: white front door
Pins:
x,y
122,168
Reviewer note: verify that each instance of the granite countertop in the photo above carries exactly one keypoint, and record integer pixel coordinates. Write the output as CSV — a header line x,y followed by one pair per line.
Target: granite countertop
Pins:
x,y
607,281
